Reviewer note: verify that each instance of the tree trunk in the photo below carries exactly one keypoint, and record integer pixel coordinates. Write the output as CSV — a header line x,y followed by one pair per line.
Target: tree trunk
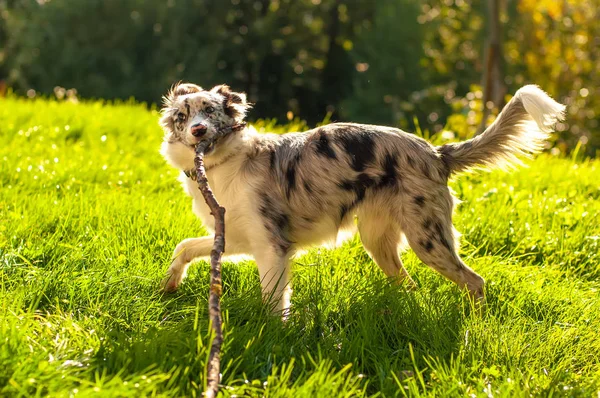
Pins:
x,y
494,88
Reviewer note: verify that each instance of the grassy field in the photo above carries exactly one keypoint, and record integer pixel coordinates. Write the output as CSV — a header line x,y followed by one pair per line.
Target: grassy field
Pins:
x,y
90,214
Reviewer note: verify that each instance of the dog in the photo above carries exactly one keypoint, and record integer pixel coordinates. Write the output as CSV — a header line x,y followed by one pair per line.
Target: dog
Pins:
x,y
296,190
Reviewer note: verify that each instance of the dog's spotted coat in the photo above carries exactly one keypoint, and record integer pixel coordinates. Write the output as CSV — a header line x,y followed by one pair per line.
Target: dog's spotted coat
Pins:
x,y
283,193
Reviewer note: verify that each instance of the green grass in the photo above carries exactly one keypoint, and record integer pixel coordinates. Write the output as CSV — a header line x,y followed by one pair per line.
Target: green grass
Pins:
x,y
89,216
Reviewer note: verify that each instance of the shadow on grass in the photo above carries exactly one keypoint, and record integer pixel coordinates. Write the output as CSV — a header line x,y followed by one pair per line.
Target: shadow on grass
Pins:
x,y
372,325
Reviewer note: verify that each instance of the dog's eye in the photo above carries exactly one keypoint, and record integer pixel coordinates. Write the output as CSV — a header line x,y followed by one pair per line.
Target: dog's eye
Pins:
x,y
181,117
209,109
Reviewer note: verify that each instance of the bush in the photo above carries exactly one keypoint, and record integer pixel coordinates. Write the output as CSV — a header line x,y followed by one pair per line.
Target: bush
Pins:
x,y
382,61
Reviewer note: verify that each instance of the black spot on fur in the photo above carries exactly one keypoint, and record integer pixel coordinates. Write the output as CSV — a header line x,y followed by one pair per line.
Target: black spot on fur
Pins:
x,y
420,200
229,98
324,147
290,174
266,206
282,220
427,245
277,223
442,236
272,159
411,162
447,244
343,211
278,218
359,186
427,223
390,176
439,229
363,182
229,111
347,185
359,145
308,187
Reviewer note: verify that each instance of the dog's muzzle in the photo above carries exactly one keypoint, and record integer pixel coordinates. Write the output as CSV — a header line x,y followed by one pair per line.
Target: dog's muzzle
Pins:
x,y
199,129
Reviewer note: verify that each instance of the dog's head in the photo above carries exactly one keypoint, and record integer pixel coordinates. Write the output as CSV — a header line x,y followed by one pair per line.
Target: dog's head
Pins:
x,y
191,114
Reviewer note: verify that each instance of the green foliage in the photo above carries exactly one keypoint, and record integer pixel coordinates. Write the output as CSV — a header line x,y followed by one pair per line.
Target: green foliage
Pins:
x,y
558,48
382,85
110,49
286,55
549,43
89,216
384,61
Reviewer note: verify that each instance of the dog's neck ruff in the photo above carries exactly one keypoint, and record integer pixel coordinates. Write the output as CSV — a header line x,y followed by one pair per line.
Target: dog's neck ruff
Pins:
x,y
193,174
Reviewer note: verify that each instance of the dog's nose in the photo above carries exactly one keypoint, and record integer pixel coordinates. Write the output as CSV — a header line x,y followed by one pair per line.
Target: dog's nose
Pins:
x,y
198,130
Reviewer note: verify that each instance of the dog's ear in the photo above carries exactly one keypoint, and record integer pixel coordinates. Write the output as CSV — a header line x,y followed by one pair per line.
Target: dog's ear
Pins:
x,y
180,89
234,104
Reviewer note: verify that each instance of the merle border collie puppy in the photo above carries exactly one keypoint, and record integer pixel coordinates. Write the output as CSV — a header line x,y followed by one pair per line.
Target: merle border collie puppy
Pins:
x,y
292,191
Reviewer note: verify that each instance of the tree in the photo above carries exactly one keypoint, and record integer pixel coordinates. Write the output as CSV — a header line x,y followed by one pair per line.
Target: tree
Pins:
x,y
493,85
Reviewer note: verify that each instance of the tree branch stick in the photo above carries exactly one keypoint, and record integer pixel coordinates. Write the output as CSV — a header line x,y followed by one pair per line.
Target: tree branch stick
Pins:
x,y
213,371
216,287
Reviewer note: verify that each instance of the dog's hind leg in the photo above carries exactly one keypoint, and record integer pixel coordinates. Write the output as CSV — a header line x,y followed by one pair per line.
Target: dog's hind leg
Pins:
x,y
382,238
428,227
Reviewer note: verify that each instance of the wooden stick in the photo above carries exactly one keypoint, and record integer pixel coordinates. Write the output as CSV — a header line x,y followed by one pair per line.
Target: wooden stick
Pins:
x,y
216,284
216,287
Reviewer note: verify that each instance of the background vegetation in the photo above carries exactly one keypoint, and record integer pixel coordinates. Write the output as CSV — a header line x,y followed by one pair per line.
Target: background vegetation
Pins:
x,y
377,61
90,214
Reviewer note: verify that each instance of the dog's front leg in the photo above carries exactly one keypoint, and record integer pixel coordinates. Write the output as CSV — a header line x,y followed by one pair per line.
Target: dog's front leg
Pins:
x,y
185,252
273,269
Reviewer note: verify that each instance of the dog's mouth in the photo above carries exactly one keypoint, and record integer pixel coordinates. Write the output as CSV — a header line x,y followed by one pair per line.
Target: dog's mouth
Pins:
x,y
208,150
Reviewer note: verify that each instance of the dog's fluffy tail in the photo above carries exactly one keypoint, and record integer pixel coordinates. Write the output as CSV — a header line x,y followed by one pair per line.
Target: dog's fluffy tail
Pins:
x,y
519,131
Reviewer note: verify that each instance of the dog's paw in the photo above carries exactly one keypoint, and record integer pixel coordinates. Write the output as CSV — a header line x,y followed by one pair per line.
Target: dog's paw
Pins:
x,y
170,284
477,302
410,285
406,283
